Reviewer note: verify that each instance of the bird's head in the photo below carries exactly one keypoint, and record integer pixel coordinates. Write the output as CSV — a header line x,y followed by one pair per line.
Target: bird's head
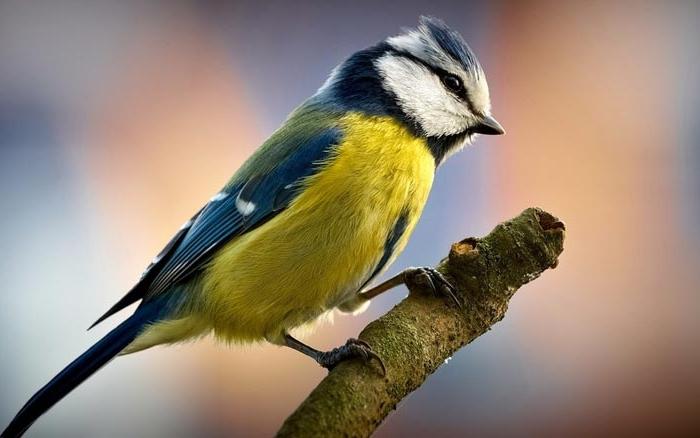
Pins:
x,y
428,77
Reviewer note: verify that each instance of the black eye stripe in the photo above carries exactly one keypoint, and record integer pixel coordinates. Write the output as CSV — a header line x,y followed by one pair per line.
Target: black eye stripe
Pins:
x,y
442,74
437,70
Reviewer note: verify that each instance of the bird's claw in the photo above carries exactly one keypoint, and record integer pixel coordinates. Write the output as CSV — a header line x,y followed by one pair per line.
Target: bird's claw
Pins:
x,y
433,279
353,348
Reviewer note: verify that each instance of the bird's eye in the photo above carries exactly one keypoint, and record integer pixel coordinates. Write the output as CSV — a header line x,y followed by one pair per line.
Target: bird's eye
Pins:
x,y
452,83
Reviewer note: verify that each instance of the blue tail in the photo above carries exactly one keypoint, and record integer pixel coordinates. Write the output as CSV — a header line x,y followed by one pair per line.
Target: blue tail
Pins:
x,y
83,367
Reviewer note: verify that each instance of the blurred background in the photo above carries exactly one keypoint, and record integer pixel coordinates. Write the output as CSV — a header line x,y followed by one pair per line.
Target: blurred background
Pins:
x,y
118,120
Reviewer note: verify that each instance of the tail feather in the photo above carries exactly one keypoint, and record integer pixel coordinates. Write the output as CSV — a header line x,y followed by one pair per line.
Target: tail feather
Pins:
x,y
81,368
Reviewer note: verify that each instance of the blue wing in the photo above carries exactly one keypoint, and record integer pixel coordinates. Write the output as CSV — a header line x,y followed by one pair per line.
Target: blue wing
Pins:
x,y
244,204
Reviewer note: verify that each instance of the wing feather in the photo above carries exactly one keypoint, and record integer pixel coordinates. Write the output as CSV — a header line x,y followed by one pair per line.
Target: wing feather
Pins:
x,y
139,290
269,191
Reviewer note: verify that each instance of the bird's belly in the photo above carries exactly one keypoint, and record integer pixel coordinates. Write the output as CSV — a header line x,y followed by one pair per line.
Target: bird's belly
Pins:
x,y
323,248
276,281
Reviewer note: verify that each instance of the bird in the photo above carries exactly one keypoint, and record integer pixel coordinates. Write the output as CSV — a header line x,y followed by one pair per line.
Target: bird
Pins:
x,y
318,212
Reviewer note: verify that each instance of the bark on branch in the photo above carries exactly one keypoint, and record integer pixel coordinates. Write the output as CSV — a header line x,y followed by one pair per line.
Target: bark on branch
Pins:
x,y
416,336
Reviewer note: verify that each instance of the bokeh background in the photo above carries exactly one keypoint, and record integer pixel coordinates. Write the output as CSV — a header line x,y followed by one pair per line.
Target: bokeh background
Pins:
x,y
119,119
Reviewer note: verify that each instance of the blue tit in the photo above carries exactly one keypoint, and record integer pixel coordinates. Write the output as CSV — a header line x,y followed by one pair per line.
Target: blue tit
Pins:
x,y
313,216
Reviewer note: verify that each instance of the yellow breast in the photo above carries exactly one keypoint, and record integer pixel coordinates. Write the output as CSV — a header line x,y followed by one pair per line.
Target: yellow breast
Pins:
x,y
321,249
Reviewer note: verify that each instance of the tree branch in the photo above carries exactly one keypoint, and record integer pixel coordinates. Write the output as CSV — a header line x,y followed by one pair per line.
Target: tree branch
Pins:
x,y
416,336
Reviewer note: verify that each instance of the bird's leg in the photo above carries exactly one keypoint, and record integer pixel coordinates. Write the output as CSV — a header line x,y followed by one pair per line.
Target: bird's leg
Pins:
x,y
353,348
417,277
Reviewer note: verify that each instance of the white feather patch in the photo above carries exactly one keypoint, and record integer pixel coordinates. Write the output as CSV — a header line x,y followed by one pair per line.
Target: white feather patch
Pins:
x,y
422,96
244,207
218,197
186,225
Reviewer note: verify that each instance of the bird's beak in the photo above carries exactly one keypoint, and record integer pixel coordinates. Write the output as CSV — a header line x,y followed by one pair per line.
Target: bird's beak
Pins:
x,y
488,126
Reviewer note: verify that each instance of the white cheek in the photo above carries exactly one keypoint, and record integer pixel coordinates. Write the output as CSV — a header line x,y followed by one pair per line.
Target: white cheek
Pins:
x,y
422,96
480,94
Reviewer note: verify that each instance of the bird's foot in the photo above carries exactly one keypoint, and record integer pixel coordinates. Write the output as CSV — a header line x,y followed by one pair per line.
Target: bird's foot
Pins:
x,y
353,348
434,280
